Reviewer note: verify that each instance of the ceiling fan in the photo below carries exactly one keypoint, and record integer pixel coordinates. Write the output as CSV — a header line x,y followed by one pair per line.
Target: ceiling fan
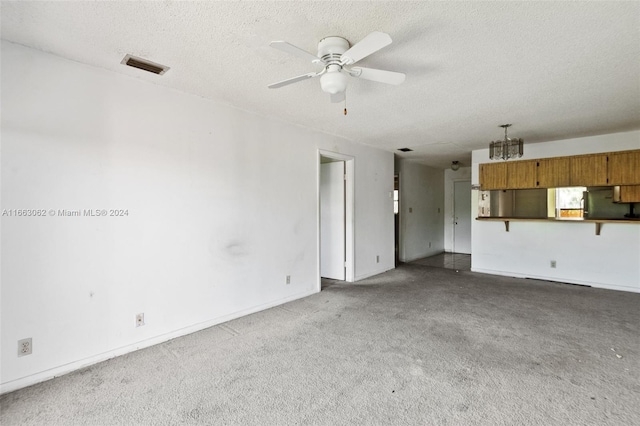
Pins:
x,y
336,56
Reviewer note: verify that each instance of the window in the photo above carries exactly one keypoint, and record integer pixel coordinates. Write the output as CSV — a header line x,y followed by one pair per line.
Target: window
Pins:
x,y
569,201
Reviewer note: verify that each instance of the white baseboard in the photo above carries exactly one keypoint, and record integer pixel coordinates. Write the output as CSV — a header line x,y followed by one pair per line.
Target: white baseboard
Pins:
x,y
49,374
559,280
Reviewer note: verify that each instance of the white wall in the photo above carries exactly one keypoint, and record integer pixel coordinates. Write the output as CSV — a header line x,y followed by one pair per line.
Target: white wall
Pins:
x,y
421,210
610,260
450,176
222,205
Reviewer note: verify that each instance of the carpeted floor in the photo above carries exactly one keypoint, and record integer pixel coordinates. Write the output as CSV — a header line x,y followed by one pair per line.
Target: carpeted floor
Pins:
x,y
415,346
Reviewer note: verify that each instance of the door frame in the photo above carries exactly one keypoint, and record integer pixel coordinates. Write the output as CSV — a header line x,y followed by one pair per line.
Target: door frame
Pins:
x,y
349,214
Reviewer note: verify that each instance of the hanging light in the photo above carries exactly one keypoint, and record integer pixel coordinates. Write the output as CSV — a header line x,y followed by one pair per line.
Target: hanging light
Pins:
x,y
508,148
455,165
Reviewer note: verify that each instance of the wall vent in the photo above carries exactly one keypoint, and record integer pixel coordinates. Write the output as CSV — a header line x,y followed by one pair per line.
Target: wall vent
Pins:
x,y
144,64
405,149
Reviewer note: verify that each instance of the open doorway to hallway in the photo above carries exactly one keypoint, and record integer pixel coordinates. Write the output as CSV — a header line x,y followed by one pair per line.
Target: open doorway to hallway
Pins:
x,y
332,219
335,218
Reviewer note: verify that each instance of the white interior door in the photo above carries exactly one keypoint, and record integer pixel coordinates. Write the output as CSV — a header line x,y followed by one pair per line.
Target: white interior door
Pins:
x,y
332,220
462,217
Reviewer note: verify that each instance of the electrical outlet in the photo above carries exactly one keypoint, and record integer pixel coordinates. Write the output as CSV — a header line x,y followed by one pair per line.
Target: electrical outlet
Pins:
x,y
377,259
140,320
288,279
25,347
553,263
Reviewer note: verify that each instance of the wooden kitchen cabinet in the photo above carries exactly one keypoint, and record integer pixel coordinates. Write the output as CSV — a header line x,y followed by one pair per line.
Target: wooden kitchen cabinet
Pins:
x,y
588,170
521,174
493,176
553,172
508,175
607,169
624,168
627,194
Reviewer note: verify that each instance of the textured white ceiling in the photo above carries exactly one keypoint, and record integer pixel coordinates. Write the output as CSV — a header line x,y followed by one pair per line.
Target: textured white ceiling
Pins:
x,y
554,69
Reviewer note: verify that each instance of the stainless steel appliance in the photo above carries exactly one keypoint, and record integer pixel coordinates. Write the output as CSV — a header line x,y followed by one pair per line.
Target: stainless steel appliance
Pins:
x,y
598,204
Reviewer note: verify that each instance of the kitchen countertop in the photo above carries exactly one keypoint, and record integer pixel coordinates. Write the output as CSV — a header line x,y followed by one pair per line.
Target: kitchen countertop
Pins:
x,y
562,219
598,222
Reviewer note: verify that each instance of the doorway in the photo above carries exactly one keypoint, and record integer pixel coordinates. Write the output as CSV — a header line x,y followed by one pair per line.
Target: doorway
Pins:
x,y
332,219
396,217
462,217
335,217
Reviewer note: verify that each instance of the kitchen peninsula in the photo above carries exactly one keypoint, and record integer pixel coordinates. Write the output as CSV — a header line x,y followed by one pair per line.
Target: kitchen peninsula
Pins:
x,y
599,248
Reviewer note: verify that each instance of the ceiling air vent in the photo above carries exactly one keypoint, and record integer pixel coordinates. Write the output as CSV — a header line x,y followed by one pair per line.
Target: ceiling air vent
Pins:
x,y
405,149
145,65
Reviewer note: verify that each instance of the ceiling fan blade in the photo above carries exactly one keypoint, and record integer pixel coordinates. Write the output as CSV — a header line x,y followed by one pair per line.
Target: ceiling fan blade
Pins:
x,y
365,47
293,80
337,97
294,50
381,76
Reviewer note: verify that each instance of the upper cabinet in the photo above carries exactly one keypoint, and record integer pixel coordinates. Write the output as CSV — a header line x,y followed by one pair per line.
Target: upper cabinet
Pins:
x,y
626,194
553,172
588,170
624,168
607,169
521,174
493,176
508,175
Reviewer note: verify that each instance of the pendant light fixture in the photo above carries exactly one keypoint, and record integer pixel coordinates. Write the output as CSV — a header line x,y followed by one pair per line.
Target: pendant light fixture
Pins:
x,y
507,148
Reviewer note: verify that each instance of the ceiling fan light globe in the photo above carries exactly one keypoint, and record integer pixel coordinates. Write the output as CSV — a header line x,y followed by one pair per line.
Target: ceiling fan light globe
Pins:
x,y
333,82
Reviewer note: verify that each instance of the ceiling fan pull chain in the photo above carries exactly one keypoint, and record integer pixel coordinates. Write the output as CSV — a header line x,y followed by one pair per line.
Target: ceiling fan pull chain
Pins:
x,y
345,103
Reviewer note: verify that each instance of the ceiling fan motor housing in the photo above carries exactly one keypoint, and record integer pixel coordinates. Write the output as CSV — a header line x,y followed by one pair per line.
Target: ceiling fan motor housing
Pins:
x,y
333,48
329,50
